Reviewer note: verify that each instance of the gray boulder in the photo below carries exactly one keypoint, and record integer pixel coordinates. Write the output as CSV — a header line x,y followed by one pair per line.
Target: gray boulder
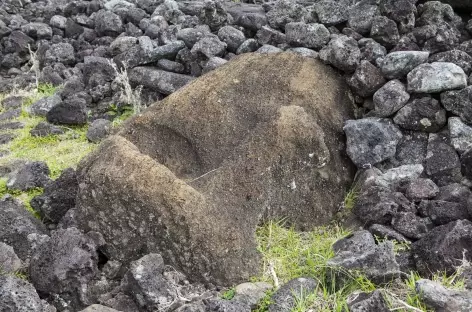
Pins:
x,y
362,302
29,176
192,35
421,189
384,31
59,53
332,12
145,52
436,77
284,299
250,45
267,49
458,57
442,249
72,111
284,12
98,130
267,35
410,225
399,64
442,162
58,196
146,284
19,295
439,298
391,97
9,261
403,12
421,114
251,293
44,105
361,15
387,232
214,14
466,164
209,46
64,265
367,79
305,52
232,37
43,129
442,212
459,103
371,140
16,223
343,53
108,24
313,36
461,135
371,50
58,21
37,31
171,66
357,242
158,80
378,205
377,262
213,63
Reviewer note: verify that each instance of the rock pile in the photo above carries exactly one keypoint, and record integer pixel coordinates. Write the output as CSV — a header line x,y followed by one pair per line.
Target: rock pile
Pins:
x,y
408,64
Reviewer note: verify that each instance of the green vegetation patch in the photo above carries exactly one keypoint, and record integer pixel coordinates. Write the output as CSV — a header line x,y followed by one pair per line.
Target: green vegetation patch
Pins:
x,y
288,254
57,151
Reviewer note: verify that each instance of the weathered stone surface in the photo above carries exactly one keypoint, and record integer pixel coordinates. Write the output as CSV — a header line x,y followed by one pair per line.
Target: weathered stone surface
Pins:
x,y
421,114
377,205
98,130
373,302
442,248
29,176
64,264
371,140
459,103
410,225
19,295
390,98
376,261
398,64
145,282
200,172
9,261
461,135
442,212
442,161
421,189
366,79
98,308
383,231
460,58
285,298
361,15
16,223
436,77
313,36
158,80
439,298
343,53
58,196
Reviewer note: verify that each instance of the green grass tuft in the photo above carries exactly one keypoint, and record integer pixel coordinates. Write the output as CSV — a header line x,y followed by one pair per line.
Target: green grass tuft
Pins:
x,y
228,294
288,254
24,197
